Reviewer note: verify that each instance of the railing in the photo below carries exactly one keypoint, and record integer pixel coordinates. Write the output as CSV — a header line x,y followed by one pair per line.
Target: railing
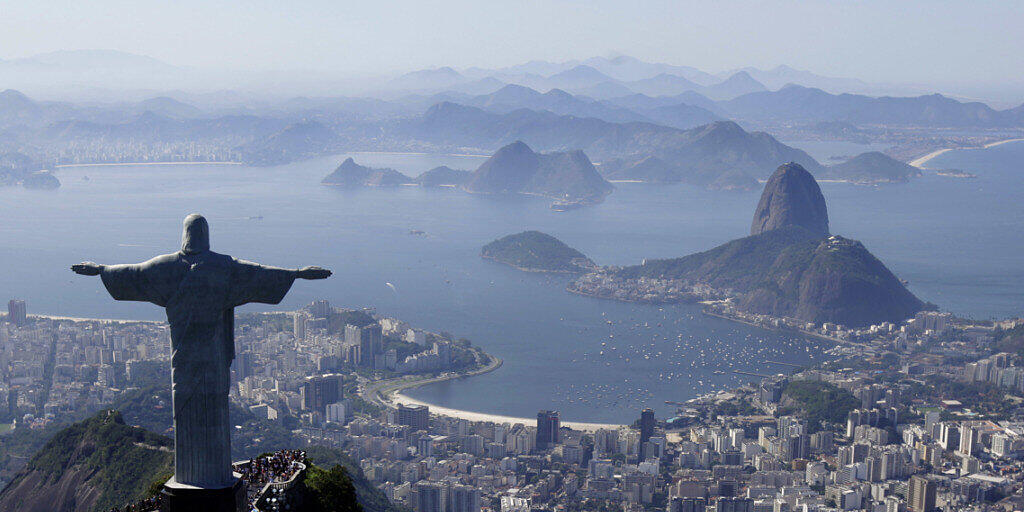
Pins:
x,y
267,479
274,475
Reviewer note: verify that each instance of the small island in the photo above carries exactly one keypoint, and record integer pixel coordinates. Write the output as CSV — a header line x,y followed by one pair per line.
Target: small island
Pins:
x,y
955,173
871,168
41,180
351,175
533,251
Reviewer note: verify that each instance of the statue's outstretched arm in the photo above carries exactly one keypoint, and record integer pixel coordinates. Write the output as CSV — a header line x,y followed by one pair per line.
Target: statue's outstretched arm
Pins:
x,y
87,268
312,273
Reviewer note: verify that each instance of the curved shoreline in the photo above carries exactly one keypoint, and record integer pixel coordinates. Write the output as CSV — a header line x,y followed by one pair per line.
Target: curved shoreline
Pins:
x,y
399,398
920,162
119,164
390,394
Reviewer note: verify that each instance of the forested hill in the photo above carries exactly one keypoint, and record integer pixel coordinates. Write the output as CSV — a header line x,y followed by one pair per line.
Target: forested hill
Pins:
x,y
534,251
95,464
102,463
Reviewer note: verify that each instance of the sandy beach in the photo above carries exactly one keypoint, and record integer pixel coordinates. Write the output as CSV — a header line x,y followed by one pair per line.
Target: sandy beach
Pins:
x,y
919,162
119,164
399,398
1000,143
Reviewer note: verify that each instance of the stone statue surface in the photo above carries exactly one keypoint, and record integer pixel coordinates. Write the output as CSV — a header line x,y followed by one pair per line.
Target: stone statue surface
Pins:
x,y
199,290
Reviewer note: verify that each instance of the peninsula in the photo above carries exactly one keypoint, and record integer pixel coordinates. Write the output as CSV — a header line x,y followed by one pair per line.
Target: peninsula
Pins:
x,y
790,267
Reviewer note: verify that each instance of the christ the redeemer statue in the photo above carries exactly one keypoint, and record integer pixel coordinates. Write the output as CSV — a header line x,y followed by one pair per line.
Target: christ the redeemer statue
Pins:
x,y
199,289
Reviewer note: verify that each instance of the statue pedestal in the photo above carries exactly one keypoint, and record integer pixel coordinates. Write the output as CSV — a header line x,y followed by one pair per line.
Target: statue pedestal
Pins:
x,y
189,498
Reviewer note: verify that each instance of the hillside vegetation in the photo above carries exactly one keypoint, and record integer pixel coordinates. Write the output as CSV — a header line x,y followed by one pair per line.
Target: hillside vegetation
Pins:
x,y
537,252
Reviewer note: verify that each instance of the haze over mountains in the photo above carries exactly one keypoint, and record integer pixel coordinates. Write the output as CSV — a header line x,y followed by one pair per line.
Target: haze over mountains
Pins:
x,y
638,121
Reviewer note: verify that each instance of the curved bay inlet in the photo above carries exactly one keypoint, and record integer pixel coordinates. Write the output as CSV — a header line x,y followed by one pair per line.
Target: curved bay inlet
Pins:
x,y
957,241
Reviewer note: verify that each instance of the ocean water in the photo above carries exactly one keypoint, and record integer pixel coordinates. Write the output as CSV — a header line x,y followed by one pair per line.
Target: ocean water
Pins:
x,y
958,242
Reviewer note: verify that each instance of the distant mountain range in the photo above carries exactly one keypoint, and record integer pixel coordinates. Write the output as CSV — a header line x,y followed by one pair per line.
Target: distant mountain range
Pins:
x,y
629,73
584,80
798,104
672,131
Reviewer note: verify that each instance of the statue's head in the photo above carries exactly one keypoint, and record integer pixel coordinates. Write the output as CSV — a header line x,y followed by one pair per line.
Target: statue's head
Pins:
x,y
195,237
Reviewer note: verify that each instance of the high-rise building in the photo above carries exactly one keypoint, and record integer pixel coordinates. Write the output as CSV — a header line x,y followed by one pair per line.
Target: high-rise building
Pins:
x,y
369,339
299,325
320,391
337,412
683,504
415,416
463,498
547,429
734,505
320,309
770,390
922,494
243,364
16,313
646,431
968,439
430,497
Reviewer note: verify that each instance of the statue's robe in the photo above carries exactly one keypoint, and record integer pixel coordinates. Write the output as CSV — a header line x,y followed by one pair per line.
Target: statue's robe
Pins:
x,y
200,292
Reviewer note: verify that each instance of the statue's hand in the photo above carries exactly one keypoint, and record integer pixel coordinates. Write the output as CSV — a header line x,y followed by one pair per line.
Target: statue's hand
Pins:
x,y
313,273
87,268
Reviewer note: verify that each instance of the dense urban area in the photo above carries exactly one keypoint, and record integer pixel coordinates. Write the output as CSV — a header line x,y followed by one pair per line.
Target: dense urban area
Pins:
x,y
911,416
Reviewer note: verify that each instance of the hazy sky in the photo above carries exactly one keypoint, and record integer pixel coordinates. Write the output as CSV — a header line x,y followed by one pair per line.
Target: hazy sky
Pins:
x,y
901,41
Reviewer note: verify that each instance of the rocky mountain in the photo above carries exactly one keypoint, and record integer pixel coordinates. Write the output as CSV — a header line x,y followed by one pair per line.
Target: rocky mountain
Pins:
x,y
579,76
515,168
443,176
839,281
791,197
427,79
718,155
624,67
297,141
780,76
871,167
737,84
797,104
663,85
700,156
169,107
514,97
534,251
351,174
783,269
681,115
97,464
